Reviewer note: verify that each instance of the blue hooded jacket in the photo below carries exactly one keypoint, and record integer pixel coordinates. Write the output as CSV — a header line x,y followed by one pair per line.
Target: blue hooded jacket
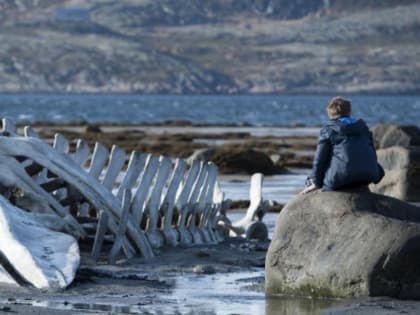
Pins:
x,y
345,156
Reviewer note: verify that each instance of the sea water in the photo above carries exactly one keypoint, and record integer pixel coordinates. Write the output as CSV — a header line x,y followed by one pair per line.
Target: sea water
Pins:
x,y
270,110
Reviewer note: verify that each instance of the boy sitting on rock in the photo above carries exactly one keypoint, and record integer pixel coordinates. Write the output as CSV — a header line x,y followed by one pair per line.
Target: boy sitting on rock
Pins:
x,y
345,156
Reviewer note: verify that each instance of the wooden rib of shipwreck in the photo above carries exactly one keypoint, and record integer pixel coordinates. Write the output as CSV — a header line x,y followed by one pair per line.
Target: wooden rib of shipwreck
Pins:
x,y
116,208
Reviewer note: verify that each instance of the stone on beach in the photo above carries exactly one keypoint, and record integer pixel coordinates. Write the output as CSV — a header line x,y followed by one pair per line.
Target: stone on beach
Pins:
x,y
343,244
399,154
233,160
388,135
402,173
33,254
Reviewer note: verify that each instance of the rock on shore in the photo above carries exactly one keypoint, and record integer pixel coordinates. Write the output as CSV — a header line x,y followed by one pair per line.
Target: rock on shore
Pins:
x,y
233,160
342,244
399,155
402,173
388,135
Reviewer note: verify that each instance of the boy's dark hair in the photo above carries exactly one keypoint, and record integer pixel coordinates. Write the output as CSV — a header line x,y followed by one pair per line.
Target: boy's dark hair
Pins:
x,y
339,107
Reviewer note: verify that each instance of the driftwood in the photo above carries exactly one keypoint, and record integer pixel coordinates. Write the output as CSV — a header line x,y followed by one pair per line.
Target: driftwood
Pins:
x,y
153,202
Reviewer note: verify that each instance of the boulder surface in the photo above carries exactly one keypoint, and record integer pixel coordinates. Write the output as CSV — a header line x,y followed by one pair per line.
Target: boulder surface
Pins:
x,y
345,244
388,135
233,160
31,253
402,173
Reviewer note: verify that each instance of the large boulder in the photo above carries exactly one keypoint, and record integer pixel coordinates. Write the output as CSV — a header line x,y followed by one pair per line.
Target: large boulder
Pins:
x,y
31,251
345,244
388,135
399,155
232,160
402,173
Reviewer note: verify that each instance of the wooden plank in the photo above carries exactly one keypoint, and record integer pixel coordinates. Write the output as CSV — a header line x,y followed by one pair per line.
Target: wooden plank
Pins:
x,y
142,191
118,243
167,208
100,234
116,162
135,167
152,207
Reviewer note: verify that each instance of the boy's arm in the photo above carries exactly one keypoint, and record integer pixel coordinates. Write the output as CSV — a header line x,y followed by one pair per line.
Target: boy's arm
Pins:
x,y
321,159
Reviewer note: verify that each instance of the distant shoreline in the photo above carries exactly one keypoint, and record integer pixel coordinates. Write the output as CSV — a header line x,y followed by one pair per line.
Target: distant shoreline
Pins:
x,y
326,94
278,111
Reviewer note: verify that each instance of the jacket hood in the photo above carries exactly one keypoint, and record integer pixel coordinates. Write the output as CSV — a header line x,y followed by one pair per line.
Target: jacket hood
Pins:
x,y
349,126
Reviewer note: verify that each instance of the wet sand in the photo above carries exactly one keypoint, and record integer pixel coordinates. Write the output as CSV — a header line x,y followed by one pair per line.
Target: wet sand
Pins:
x,y
225,279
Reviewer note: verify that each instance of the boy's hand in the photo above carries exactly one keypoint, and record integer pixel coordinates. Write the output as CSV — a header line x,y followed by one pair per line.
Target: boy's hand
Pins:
x,y
308,189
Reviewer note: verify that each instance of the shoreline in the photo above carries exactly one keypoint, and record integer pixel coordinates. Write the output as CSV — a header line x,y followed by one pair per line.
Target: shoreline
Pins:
x,y
222,279
268,94
286,147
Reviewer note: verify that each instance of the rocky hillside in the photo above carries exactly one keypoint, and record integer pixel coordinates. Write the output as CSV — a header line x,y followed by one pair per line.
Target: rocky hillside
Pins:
x,y
210,46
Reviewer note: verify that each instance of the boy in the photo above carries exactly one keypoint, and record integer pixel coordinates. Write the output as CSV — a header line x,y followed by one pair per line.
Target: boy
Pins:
x,y
345,155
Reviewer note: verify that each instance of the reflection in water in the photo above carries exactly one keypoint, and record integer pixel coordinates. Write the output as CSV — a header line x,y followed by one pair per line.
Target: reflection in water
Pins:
x,y
295,306
218,304
279,188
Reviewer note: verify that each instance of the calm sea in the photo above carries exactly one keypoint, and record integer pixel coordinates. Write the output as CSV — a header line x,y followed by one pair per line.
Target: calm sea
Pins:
x,y
238,110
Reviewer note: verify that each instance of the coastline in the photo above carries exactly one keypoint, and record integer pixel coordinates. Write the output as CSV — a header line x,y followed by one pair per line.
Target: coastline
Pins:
x,y
222,279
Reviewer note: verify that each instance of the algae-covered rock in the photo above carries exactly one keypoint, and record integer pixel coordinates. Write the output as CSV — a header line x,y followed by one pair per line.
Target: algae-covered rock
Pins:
x,y
342,244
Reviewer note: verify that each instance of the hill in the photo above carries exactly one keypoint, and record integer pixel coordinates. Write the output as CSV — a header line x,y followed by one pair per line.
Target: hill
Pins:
x,y
210,46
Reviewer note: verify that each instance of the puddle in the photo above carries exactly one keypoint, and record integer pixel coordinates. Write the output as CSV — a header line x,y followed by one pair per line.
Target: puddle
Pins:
x,y
221,293
218,294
